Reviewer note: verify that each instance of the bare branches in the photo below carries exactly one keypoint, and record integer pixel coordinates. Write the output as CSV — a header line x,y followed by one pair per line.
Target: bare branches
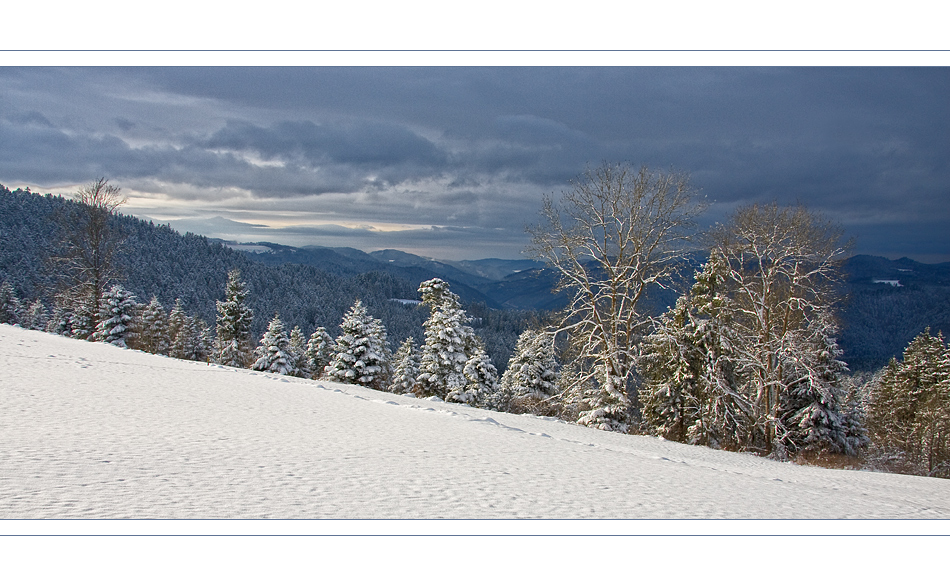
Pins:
x,y
100,195
612,235
783,268
89,245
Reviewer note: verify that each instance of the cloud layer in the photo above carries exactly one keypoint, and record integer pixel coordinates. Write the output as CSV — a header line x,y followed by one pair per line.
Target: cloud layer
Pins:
x,y
454,161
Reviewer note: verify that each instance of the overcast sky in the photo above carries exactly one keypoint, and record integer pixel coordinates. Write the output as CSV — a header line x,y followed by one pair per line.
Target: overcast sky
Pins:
x,y
453,162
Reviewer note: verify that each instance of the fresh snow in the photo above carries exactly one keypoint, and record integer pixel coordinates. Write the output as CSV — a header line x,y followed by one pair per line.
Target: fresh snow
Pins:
x,y
92,431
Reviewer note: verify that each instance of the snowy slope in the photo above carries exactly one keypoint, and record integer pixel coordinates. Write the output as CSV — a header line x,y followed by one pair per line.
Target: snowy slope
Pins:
x,y
93,431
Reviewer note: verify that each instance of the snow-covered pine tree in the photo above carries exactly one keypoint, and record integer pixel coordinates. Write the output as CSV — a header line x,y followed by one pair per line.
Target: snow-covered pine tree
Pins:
x,y
886,417
671,364
406,369
298,351
36,317
177,331
232,347
449,342
362,355
320,351
273,353
531,376
482,379
59,321
84,310
909,408
853,417
118,309
154,338
10,306
195,338
811,405
689,390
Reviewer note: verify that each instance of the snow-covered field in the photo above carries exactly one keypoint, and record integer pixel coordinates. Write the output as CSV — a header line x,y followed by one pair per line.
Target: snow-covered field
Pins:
x,y
91,431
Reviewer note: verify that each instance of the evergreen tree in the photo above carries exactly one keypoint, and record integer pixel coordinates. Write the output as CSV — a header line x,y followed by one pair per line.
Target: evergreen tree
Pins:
x,y
672,367
194,340
59,321
406,369
36,317
298,352
690,390
531,375
178,334
9,305
273,354
909,408
362,356
482,379
115,325
233,343
320,352
154,337
449,342
811,406
85,317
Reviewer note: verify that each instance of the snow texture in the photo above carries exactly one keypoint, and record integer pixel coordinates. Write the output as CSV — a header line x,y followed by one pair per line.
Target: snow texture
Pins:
x,y
106,432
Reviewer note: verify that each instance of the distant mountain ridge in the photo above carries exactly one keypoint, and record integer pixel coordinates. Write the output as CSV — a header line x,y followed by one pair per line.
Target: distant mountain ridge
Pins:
x,y
474,281
887,302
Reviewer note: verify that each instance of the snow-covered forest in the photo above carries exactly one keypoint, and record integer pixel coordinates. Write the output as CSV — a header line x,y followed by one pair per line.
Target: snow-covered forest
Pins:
x,y
746,359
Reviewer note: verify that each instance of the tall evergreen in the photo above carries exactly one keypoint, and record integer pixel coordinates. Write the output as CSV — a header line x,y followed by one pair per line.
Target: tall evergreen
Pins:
x,y
449,342
812,403
178,334
232,347
689,392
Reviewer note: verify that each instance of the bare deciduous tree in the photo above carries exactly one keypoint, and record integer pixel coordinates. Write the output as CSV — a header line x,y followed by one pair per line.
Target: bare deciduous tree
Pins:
x,y
783,271
615,233
90,245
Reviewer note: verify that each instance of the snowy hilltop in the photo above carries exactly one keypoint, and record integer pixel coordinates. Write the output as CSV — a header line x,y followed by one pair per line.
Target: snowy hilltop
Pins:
x,y
90,430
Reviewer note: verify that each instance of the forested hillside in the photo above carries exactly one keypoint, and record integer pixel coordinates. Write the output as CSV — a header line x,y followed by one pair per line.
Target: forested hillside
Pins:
x,y
159,261
888,303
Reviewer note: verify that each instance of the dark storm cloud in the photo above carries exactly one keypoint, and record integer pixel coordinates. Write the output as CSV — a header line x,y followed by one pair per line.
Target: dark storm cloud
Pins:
x,y
479,146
